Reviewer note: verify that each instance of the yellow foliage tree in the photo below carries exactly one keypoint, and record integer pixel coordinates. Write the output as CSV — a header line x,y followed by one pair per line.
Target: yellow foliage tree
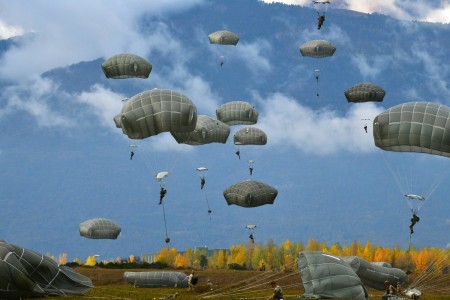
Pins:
x,y
131,259
166,256
62,259
354,248
312,245
90,261
368,252
238,255
181,261
77,261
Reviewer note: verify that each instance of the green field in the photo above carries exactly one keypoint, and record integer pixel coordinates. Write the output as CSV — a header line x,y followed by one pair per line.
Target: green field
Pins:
x,y
228,284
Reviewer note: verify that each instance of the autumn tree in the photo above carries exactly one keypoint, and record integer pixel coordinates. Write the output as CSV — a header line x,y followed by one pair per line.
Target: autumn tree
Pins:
x,y
181,261
90,261
219,259
368,252
238,255
62,259
312,245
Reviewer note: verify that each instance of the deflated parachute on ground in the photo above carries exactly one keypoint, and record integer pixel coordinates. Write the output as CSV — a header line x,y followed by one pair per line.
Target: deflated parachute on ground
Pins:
x,y
374,275
250,136
99,228
122,66
223,37
414,127
317,49
207,130
156,279
364,92
25,273
250,193
237,113
152,112
327,276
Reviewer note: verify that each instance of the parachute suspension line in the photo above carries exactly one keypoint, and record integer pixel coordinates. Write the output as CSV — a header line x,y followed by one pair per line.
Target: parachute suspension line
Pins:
x,y
395,173
146,159
437,183
207,204
433,279
165,225
251,285
175,163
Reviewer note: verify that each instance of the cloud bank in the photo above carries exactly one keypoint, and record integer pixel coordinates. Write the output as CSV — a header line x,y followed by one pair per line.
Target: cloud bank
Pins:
x,y
423,10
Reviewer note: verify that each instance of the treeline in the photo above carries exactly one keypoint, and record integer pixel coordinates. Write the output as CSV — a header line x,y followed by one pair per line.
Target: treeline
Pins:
x,y
283,256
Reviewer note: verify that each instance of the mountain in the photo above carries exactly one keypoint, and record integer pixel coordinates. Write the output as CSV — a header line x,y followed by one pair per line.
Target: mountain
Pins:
x,y
63,161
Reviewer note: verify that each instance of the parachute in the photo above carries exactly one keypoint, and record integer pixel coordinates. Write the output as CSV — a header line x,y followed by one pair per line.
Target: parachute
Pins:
x,y
157,279
161,175
27,274
152,112
251,228
122,66
237,113
327,276
364,92
250,193
415,202
321,6
250,136
223,37
422,127
250,166
374,275
405,132
317,49
99,228
207,131
202,171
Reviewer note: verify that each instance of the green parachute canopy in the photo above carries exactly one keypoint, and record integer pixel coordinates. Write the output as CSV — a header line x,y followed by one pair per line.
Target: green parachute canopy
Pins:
x,y
374,275
237,113
152,112
207,131
28,274
250,193
122,66
156,279
250,136
317,49
327,276
223,37
364,92
99,228
422,127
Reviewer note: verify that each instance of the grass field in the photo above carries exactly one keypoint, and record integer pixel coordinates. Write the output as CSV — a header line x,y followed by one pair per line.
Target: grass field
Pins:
x,y
228,284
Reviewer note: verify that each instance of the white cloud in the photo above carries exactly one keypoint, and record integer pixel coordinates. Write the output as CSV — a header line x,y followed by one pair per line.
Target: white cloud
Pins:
x,y
371,67
436,70
103,103
290,124
7,31
72,31
252,56
424,10
34,97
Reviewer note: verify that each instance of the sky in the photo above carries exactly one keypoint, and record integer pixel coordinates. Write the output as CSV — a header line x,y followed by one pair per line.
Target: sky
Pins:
x,y
61,40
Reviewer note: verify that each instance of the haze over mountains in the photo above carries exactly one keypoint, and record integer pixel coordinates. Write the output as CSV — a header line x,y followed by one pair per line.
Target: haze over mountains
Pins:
x,y
63,161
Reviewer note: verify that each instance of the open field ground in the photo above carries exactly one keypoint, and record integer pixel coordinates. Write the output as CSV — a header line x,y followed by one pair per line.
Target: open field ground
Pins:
x,y
228,284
